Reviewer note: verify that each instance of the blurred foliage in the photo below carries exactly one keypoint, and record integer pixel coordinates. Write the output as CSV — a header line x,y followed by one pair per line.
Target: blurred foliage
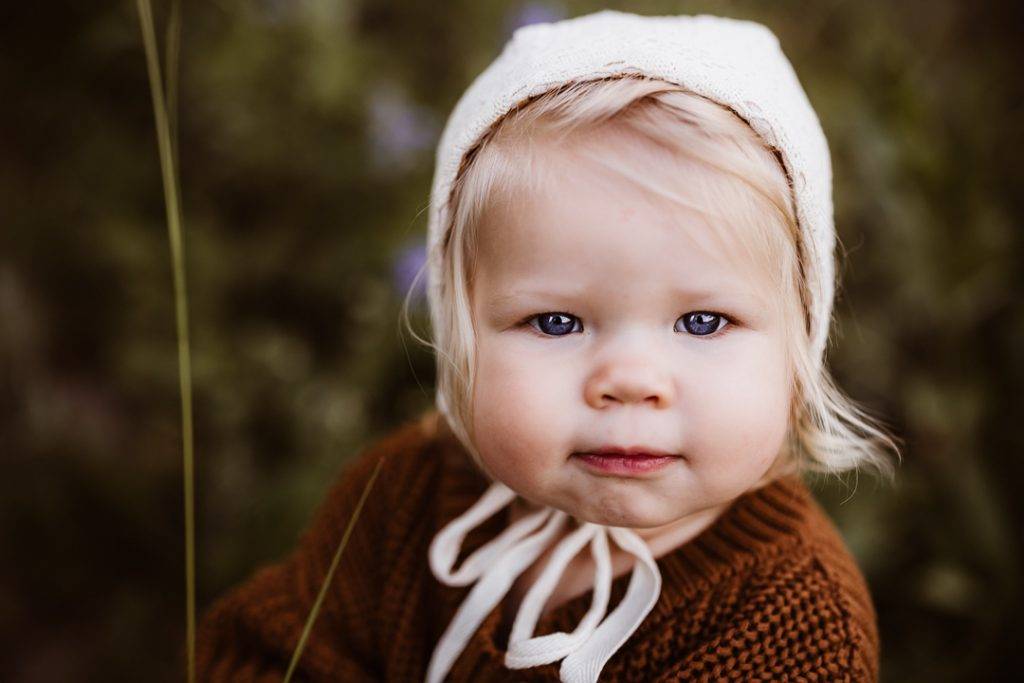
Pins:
x,y
307,130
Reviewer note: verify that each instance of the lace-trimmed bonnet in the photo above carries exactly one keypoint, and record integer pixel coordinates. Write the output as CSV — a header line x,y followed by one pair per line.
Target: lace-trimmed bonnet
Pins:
x,y
736,63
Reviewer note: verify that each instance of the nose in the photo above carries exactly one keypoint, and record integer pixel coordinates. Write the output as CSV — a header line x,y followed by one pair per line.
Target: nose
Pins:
x,y
629,381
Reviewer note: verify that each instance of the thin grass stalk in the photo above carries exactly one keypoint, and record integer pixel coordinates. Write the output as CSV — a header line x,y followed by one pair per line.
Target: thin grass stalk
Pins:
x,y
165,114
174,228
315,611
172,47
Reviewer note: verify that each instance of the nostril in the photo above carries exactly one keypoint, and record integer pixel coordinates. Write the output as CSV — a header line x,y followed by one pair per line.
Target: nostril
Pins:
x,y
611,398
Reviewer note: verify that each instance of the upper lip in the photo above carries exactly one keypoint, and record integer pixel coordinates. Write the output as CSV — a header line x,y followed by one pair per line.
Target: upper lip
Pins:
x,y
628,452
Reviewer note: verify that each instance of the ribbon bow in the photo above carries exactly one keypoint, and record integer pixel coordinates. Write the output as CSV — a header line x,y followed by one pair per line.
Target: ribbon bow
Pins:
x,y
495,566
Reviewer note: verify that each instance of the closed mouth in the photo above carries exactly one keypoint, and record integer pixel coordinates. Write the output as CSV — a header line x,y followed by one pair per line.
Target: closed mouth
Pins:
x,y
635,452
631,463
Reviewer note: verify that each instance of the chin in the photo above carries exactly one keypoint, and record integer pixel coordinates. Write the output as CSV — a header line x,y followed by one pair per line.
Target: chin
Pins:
x,y
626,509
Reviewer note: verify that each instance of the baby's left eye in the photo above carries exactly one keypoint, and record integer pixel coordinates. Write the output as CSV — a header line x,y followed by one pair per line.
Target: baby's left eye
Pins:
x,y
703,323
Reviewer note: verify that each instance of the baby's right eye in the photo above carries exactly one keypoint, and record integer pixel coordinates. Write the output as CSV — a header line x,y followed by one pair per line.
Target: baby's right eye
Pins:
x,y
554,324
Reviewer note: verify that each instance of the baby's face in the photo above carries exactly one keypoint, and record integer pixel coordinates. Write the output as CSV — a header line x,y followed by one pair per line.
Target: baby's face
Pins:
x,y
602,324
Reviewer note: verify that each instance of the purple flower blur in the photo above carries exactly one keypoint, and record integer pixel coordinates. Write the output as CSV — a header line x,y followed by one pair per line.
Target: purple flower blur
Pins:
x,y
533,13
399,130
408,262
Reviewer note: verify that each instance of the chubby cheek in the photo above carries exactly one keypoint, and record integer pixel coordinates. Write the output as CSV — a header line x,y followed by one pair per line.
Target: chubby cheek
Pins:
x,y
741,422
520,418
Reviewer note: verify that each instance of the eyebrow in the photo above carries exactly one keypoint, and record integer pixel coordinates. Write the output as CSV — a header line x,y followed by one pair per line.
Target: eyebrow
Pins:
x,y
526,294
750,297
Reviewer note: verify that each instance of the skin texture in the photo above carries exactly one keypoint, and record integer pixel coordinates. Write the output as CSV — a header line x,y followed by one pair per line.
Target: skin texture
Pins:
x,y
623,369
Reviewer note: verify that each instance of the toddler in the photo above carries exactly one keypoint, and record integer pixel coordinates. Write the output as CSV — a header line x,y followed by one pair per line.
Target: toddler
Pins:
x,y
631,281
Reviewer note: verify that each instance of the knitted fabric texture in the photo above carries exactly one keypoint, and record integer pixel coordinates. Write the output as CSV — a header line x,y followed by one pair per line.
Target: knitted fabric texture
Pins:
x,y
736,63
768,592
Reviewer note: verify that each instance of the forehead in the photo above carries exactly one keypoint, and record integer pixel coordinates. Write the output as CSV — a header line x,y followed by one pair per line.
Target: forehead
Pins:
x,y
588,221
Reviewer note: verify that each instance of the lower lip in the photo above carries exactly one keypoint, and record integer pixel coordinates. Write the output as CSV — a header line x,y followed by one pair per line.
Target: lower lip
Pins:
x,y
617,464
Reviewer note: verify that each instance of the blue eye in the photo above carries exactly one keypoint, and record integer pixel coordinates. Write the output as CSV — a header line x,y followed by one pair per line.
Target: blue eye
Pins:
x,y
554,324
702,323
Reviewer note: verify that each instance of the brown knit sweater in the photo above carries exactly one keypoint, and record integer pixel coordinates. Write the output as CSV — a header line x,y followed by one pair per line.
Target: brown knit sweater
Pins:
x,y
768,592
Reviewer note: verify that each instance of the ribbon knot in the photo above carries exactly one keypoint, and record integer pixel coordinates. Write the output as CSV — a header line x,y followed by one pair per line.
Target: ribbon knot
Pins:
x,y
494,567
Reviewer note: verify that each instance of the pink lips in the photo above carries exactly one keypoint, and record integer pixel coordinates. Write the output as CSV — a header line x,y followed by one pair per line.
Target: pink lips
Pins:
x,y
626,461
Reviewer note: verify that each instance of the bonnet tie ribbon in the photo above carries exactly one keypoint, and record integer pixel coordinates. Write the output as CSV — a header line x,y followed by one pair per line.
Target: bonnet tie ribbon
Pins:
x,y
496,565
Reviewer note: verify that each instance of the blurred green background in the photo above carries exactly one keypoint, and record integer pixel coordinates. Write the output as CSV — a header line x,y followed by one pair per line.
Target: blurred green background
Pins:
x,y
307,130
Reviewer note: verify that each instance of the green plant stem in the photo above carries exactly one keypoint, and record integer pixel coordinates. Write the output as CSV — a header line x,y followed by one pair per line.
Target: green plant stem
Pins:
x,y
174,229
172,51
330,574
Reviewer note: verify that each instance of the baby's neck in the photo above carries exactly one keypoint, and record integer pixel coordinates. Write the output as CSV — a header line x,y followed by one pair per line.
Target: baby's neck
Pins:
x,y
578,577
662,540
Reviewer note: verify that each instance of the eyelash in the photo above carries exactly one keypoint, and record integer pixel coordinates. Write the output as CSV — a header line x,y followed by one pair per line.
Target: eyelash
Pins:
x,y
729,322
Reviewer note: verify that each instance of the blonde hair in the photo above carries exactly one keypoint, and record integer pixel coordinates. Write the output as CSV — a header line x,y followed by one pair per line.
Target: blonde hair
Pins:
x,y
747,191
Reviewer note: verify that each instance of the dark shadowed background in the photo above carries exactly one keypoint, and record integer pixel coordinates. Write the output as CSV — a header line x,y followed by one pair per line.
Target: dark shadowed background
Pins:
x,y
307,130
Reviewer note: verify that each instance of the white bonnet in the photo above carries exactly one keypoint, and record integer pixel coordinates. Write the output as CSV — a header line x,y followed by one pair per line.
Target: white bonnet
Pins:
x,y
736,63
